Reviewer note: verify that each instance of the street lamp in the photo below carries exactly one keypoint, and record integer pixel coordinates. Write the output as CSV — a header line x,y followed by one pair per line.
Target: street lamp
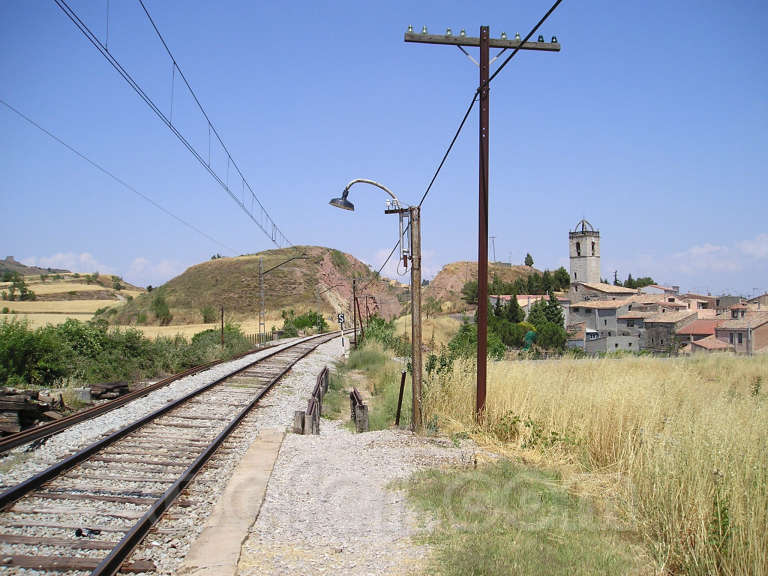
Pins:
x,y
412,252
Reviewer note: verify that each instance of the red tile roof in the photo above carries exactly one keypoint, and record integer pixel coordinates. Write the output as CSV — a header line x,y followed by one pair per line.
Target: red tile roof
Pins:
x,y
699,327
711,343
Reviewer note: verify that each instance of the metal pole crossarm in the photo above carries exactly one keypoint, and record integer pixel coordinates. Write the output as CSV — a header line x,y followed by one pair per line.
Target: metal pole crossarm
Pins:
x,y
472,41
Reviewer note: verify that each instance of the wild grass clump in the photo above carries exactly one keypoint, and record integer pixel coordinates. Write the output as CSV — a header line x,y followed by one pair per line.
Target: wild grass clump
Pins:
x,y
681,444
371,370
507,519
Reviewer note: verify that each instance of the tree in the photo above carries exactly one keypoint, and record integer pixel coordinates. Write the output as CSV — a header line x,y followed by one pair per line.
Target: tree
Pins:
x,y
498,309
161,310
551,336
469,292
561,278
554,311
513,312
538,314
546,281
431,306
528,260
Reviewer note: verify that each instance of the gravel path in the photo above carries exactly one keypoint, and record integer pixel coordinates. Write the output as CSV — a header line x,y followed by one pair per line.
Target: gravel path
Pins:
x,y
18,465
330,506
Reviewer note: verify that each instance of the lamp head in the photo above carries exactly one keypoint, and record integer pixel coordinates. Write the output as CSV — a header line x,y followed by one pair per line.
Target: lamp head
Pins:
x,y
342,202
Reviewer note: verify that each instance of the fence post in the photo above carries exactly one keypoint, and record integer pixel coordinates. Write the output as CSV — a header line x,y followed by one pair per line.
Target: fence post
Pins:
x,y
361,418
400,398
298,422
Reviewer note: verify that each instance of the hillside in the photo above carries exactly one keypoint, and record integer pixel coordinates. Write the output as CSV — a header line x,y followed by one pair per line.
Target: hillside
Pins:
x,y
447,284
9,264
322,281
59,295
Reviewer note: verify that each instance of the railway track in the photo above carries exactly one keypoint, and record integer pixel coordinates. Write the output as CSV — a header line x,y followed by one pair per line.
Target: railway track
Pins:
x,y
48,429
88,512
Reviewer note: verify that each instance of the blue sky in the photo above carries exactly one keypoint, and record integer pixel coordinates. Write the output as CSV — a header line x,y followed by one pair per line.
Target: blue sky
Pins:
x,y
652,123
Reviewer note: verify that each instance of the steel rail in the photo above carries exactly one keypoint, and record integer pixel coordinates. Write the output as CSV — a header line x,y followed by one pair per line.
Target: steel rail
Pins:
x,y
111,564
55,426
11,495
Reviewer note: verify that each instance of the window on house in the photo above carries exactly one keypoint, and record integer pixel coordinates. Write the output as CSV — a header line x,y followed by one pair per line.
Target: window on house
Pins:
x,y
630,323
630,344
578,248
605,322
670,299
616,345
740,337
731,337
593,248
575,277
662,341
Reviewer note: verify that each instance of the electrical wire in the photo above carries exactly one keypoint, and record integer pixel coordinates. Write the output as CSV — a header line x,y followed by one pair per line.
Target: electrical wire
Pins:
x,y
267,225
115,178
516,50
466,115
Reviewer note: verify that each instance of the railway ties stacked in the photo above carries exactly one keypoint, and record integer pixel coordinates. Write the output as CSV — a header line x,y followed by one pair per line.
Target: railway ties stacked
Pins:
x,y
91,514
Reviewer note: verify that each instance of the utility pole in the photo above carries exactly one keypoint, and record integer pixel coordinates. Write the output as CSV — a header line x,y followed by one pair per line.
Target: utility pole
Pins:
x,y
484,42
222,326
416,423
262,310
493,247
354,308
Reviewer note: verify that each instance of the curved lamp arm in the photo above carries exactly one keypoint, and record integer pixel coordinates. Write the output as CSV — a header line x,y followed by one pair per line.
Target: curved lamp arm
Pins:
x,y
373,183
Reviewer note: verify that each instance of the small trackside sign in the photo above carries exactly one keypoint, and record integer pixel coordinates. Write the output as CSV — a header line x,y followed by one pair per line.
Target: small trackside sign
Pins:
x,y
340,318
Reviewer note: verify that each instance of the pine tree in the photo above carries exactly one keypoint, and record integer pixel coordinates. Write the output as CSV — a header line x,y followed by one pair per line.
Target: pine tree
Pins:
x,y
513,312
554,312
538,313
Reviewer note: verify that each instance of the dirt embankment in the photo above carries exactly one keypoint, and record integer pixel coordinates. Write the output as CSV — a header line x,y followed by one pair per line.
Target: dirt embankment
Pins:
x,y
446,286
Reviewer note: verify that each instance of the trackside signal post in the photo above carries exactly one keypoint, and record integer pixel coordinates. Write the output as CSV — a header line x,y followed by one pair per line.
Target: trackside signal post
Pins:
x,y
485,43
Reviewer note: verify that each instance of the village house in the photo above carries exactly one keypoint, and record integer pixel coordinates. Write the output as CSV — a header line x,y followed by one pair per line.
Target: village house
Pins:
x,y
660,330
748,334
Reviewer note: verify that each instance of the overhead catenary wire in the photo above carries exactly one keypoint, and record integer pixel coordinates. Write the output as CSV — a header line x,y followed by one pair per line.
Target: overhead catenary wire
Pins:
x,y
116,178
265,221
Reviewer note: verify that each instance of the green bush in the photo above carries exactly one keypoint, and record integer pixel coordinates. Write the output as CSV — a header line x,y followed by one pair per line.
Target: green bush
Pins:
x,y
90,352
292,323
383,332
160,308
209,314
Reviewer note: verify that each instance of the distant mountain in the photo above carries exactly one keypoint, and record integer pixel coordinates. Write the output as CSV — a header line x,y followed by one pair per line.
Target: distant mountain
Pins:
x,y
11,265
321,280
446,286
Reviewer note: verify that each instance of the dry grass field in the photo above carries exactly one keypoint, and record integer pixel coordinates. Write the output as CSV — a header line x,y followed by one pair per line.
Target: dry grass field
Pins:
x,y
437,329
67,307
56,287
188,330
38,320
679,446
69,297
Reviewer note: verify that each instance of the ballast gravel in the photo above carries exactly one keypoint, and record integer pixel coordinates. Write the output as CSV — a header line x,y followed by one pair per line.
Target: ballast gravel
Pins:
x,y
333,507
169,541
18,464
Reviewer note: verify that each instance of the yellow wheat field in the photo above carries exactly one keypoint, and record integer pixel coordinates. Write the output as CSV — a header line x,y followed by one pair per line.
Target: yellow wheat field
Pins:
x,y
39,320
62,287
67,307
681,444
